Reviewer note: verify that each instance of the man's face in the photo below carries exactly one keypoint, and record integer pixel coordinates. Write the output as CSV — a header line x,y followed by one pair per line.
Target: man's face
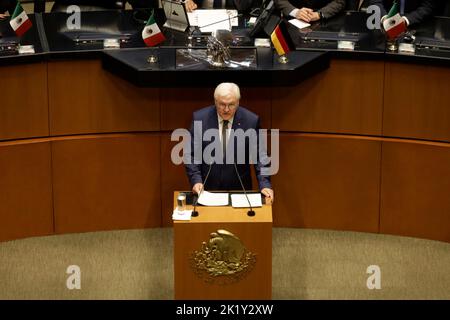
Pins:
x,y
226,106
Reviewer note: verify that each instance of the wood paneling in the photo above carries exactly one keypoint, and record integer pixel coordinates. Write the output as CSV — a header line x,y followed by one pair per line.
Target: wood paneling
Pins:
x,y
106,182
416,102
415,190
346,98
24,104
178,104
26,208
327,183
84,98
173,177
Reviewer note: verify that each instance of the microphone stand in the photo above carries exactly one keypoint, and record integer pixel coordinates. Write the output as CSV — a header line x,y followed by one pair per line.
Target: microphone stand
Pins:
x,y
251,212
195,212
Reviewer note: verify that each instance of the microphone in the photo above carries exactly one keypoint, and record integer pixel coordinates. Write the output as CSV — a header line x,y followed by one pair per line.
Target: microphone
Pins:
x,y
227,19
250,213
195,212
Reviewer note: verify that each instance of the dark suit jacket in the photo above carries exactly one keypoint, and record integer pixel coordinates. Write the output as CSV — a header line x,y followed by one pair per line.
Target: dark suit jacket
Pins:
x,y
241,5
223,176
329,8
415,10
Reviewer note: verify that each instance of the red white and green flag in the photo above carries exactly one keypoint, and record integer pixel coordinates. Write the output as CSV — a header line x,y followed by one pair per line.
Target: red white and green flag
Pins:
x,y
394,25
151,34
20,21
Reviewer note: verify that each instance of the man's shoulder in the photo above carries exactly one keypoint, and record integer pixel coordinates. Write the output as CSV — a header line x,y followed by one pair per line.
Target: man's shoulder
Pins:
x,y
247,114
198,114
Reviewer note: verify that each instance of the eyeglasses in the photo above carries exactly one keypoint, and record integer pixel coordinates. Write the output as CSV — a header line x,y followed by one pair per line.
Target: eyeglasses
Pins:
x,y
230,106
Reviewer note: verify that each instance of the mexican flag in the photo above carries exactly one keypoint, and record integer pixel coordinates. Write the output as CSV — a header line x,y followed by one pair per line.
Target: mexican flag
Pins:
x,y
151,33
394,25
20,21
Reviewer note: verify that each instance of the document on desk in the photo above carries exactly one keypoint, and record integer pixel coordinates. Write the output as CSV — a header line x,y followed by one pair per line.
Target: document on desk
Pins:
x,y
209,20
299,23
240,200
213,199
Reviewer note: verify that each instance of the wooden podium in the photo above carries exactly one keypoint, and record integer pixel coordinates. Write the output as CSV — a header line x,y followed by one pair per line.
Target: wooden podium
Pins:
x,y
223,254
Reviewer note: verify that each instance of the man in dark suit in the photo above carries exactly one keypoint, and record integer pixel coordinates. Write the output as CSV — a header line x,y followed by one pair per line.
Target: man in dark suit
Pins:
x,y
240,5
413,11
226,114
310,10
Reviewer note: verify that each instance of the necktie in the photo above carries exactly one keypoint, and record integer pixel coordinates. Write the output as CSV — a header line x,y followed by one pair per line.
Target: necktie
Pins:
x,y
224,138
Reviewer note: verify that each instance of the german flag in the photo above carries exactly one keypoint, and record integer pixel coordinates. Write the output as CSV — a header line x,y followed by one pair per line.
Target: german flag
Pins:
x,y
281,39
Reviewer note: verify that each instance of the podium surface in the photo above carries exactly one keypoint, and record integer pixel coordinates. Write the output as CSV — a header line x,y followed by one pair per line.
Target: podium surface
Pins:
x,y
223,254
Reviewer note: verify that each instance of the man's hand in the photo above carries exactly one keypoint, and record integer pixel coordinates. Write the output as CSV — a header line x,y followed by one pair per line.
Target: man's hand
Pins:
x,y
315,16
305,14
268,193
190,5
2,16
197,188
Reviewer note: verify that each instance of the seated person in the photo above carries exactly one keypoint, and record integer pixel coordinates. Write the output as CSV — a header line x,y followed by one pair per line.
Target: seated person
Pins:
x,y
225,114
310,10
241,5
413,11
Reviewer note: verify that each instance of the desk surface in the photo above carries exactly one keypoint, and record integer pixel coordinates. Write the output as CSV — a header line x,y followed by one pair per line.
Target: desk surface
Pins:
x,y
226,214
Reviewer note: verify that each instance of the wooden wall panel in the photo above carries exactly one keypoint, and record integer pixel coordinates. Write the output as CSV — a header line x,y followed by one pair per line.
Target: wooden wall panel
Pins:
x,y
416,102
107,182
26,207
327,183
346,98
24,103
415,190
178,104
91,100
173,178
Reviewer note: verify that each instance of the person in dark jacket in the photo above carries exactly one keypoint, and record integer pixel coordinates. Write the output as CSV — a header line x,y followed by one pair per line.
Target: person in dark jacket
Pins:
x,y
310,10
413,11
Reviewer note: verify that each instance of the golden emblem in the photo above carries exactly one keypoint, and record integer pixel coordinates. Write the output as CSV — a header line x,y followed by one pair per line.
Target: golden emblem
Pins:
x,y
223,259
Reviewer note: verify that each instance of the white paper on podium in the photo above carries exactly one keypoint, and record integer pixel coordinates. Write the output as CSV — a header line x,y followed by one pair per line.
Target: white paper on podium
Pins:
x,y
181,215
240,200
299,23
213,199
210,20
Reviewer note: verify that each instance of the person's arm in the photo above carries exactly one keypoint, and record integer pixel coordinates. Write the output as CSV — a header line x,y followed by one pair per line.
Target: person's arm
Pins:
x,y
190,5
263,180
285,6
332,8
193,170
423,11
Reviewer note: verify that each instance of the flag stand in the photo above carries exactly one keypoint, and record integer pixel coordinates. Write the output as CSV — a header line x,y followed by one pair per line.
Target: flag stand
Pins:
x,y
283,59
392,45
152,59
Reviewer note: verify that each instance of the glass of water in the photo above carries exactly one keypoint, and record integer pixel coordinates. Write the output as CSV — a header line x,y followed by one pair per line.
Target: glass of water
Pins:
x,y
181,203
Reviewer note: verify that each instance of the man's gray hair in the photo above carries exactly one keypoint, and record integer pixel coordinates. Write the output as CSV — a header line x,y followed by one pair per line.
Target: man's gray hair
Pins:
x,y
226,88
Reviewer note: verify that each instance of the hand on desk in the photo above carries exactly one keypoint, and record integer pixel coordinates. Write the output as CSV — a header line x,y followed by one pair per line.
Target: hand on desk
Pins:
x,y
190,5
305,14
268,193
